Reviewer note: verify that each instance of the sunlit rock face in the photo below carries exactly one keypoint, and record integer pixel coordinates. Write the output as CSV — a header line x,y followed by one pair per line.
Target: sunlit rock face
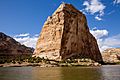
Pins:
x,y
10,47
111,55
65,34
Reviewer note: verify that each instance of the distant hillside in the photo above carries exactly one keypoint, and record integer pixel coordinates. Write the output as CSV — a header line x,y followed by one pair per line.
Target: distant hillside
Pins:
x,y
111,55
9,46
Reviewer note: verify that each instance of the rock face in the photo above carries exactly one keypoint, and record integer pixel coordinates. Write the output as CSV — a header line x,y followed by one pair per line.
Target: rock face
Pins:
x,y
8,46
65,34
111,55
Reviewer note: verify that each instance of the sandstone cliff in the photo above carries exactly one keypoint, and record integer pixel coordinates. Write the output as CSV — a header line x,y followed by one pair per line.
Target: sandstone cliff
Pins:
x,y
65,34
111,55
8,46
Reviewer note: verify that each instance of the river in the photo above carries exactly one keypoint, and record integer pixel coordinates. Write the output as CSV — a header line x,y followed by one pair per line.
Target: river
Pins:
x,y
107,72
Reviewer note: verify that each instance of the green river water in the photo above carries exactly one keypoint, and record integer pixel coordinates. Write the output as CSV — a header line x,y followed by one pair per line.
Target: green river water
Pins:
x,y
107,72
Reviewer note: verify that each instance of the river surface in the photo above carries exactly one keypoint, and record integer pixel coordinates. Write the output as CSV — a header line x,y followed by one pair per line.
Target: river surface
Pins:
x,y
108,72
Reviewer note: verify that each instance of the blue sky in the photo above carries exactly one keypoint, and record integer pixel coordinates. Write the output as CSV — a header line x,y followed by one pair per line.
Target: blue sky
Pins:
x,y
23,19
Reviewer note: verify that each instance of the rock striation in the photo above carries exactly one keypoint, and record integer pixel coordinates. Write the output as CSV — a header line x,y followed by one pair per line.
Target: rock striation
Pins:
x,y
65,35
111,55
10,47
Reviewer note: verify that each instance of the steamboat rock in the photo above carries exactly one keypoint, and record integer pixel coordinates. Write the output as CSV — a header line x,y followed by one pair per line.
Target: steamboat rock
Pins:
x,y
65,35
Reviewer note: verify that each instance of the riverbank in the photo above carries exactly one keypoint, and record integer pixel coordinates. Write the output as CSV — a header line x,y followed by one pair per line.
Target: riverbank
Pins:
x,y
50,64
41,62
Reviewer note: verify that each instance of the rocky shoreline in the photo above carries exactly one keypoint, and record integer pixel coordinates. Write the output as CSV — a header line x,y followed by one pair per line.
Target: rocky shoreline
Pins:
x,y
50,65
46,65
55,65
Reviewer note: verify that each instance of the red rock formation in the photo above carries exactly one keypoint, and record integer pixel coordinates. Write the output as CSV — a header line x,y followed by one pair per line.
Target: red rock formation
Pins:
x,y
65,34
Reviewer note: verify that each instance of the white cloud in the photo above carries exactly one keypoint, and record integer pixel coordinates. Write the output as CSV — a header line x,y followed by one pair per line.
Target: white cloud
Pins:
x,y
104,41
27,40
98,18
111,12
36,35
22,35
99,33
100,36
94,7
116,1
113,41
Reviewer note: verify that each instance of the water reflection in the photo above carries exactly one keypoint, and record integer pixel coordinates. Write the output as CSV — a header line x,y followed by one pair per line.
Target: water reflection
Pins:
x,y
81,73
15,73
67,73
60,73
50,73
111,72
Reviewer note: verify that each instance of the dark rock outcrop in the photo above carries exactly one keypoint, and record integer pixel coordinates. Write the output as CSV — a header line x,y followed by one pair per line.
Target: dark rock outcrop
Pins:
x,y
65,34
10,47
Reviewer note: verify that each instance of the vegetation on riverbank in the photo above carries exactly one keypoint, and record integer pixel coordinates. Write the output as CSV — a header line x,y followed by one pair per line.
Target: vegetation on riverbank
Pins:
x,y
37,61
